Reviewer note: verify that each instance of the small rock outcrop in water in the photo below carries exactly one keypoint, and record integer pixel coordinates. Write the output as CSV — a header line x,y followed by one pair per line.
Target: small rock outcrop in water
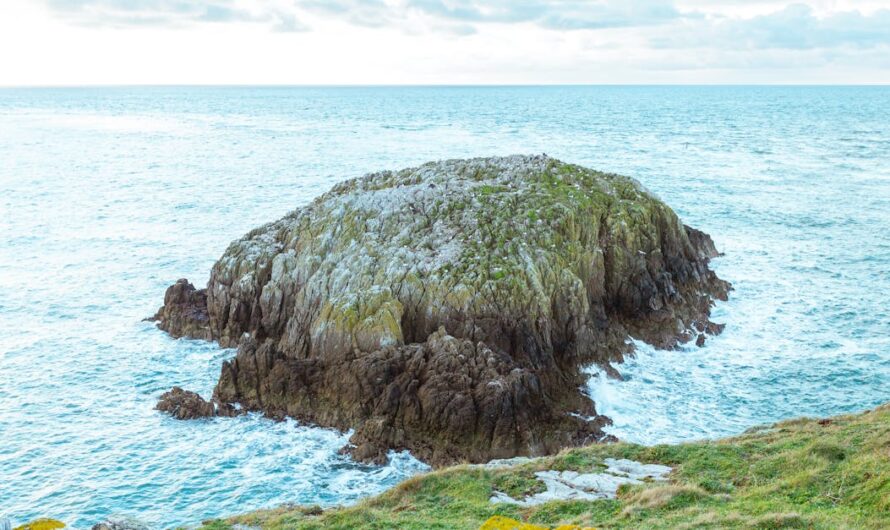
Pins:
x,y
184,313
187,405
449,309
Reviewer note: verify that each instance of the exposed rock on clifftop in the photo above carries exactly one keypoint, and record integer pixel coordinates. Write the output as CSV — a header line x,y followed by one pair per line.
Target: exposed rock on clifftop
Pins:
x,y
448,308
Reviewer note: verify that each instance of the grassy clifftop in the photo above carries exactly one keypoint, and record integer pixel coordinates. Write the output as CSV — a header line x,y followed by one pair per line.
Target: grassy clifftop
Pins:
x,y
806,473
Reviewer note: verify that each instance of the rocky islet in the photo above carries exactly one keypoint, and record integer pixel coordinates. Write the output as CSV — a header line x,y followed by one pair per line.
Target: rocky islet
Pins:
x,y
448,309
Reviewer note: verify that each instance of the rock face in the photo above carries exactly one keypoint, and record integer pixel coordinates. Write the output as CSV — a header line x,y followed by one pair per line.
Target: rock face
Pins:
x,y
448,309
184,313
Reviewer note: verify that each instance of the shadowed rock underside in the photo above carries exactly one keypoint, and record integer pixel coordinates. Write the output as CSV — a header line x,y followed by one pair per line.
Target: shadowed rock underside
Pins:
x,y
449,309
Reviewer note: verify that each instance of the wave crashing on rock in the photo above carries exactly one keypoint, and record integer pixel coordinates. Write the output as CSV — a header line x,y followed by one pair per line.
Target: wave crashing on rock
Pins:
x,y
449,309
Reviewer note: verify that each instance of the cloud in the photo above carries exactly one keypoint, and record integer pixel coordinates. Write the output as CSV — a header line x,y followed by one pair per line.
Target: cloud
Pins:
x,y
796,27
777,25
554,14
370,13
461,17
564,14
171,13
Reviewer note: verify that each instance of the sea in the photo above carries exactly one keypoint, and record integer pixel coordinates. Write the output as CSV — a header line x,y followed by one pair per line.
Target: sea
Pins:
x,y
109,195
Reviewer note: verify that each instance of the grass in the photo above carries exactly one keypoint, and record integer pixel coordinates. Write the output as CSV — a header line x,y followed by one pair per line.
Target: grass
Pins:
x,y
804,473
517,483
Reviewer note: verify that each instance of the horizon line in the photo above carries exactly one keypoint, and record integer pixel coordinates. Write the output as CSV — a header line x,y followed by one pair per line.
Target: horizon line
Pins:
x,y
424,85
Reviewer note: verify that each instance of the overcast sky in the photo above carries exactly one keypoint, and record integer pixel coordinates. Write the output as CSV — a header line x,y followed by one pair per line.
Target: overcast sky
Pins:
x,y
74,42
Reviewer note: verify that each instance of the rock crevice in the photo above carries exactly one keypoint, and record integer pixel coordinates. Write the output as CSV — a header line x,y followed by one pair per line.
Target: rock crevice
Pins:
x,y
449,309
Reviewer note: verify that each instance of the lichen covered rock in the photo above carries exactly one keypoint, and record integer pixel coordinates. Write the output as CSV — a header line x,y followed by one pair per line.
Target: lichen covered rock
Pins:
x,y
448,309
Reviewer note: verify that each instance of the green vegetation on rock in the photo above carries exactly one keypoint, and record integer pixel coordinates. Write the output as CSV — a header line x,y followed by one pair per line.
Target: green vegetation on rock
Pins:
x,y
454,242
805,473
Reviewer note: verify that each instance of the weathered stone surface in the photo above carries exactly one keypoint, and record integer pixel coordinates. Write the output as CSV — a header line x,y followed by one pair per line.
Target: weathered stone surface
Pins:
x,y
571,485
446,399
187,405
184,313
448,308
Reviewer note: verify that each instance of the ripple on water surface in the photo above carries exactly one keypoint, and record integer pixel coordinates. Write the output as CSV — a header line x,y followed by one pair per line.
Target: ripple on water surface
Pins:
x,y
107,196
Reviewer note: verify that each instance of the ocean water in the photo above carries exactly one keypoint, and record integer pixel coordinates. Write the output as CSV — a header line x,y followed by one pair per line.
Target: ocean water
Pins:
x,y
108,195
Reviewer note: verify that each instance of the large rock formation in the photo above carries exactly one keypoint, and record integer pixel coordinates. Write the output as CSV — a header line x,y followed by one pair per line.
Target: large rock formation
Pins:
x,y
449,309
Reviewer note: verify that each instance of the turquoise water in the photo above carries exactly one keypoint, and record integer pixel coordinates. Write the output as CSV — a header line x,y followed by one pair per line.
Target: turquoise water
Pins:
x,y
109,195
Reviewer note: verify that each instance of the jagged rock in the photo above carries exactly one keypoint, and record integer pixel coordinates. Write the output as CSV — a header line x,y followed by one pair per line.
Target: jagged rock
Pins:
x,y
448,309
187,405
184,313
446,399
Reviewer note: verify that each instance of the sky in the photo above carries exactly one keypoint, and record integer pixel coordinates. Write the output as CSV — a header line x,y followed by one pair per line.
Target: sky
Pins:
x,y
126,42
